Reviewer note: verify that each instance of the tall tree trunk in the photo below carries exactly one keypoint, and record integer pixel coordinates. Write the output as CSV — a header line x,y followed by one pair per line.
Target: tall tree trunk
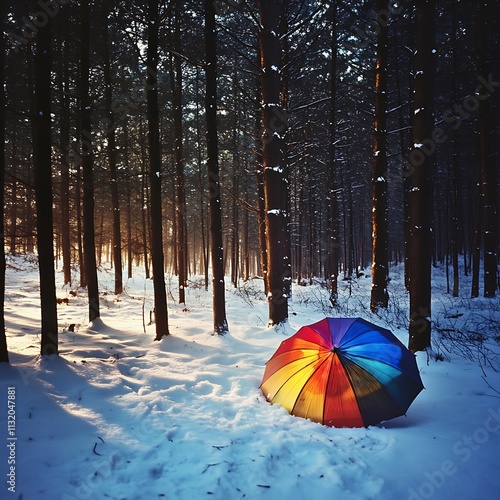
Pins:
x,y
379,293
246,251
282,130
421,192
111,152
235,230
218,288
487,166
275,188
476,239
160,295
43,190
180,207
4,355
87,165
204,235
259,176
129,198
79,227
407,170
333,242
299,201
65,160
145,218
350,236
13,197
456,206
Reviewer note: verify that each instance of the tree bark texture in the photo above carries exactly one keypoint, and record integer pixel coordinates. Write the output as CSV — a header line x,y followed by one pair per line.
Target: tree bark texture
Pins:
x,y
180,207
216,245
333,242
43,190
4,355
486,160
275,187
421,189
65,161
112,159
379,293
87,166
157,258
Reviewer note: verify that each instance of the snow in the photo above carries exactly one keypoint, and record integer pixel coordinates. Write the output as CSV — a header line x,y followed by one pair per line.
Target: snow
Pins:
x,y
275,168
119,416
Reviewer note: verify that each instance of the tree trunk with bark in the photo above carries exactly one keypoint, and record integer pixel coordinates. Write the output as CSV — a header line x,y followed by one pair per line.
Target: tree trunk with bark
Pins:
x,y
486,161
421,190
379,293
4,354
65,160
89,247
157,258
112,153
259,177
333,242
275,187
180,207
129,198
42,146
216,245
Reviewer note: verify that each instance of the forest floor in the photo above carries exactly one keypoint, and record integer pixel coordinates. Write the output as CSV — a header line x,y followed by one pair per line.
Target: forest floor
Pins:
x,y
118,416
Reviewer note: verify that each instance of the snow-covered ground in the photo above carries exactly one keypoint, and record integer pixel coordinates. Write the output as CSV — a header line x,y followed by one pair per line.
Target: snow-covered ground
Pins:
x,y
118,416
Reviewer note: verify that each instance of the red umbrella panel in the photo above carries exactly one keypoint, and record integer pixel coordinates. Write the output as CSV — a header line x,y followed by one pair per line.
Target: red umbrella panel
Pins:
x,y
342,372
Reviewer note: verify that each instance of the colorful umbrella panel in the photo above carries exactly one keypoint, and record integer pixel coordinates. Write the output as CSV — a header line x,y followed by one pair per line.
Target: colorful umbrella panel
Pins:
x,y
342,372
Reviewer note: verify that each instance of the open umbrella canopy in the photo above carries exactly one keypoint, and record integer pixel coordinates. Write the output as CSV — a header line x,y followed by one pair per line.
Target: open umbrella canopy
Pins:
x,y
342,372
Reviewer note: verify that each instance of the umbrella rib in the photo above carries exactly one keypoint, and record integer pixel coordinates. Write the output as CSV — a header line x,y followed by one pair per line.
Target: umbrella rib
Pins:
x,y
327,385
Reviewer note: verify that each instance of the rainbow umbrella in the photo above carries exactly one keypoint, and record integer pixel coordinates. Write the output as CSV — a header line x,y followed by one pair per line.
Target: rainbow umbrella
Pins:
x,y
342,372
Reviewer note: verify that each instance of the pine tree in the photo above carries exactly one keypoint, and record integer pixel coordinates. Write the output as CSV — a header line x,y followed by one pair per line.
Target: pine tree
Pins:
x,y
4,355
487,172
157,258
421,191
216,245
89,246
42,143
333,245
112,155
275,186
379,293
